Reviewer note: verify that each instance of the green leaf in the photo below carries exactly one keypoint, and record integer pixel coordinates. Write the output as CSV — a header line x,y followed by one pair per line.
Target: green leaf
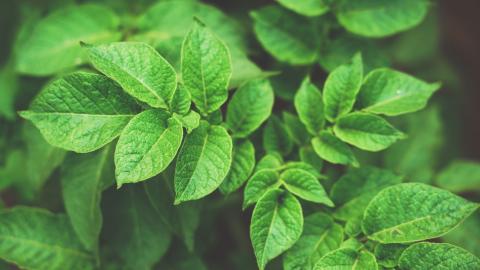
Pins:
x,y
436,256
413,212
53,45
341,88
261,182
305,186
466,234
9,86
459,176
373,18
306,7
304,167
287,36
309,105
203,162
243,162
190,121
391,92
388,254
354,190
308,155
81,112
333,150
295,129
277,223
347,258
147,145
84,177
366,131
269,161
250,106
133,233
276,137
34,238
181,101
320,236
138,68
206,68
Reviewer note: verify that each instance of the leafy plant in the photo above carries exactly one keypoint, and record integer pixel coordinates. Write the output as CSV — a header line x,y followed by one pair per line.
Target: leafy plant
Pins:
x,y
169,107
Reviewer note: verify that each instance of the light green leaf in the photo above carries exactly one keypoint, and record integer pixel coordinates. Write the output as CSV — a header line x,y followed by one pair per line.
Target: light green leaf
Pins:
x,y
352,243
366,131
388,254
203,162
391,92
250,106
147,145
134,234
276,137
261,182
138,68
243,162
81,112
320,236
309,105
374,18
347,259
190,121
459,176
54,46
287,36
304,167
181,101
412,212
295,129
306,7
355,189
277,223
269,161
206,68
305,186
84,177
333,150
436,256
34,238
341,88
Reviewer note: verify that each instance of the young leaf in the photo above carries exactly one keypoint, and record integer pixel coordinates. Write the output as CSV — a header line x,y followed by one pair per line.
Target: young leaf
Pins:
x,y
347,258
306,7
147,145
413,212
460,175
354,190
304,167
287,36
134,235
250,106
261,182
81,112
366,131
181,101
206,68
190,121
276,137
308,155
333,150
243,161
436,256
320,235
34,238
269,161
341,88
381,18
203,162
309,105
138,68
277,223
53,45
305,186
391,92
84,177
388,254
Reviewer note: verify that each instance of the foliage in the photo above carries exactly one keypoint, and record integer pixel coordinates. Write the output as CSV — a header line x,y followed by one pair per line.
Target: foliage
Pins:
x,y
138,113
